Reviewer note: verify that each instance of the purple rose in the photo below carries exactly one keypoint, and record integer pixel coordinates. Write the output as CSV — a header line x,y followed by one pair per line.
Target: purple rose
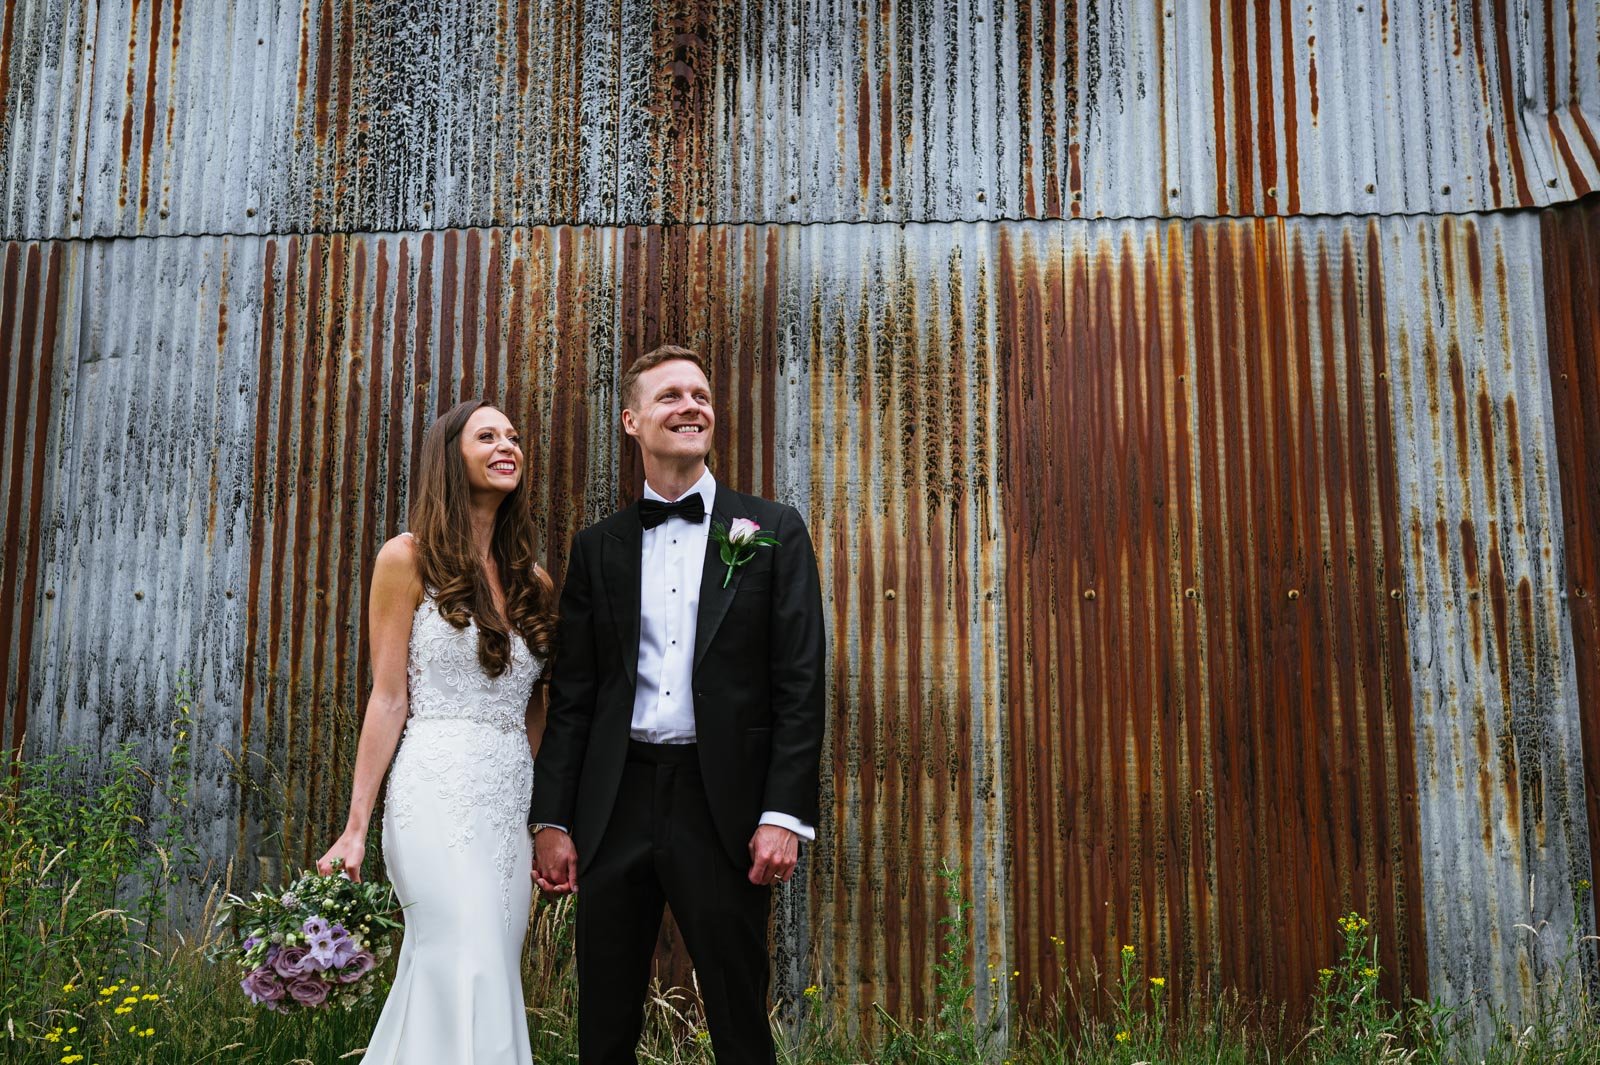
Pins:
x,y
343,950
308,991
262,986
294,962
360,965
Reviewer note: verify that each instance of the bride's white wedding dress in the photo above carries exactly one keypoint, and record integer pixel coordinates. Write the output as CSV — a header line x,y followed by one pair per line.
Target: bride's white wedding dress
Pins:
x,y
455,837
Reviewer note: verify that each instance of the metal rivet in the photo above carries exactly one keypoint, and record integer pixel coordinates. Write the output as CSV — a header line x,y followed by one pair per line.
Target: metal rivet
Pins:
x,y
1272,192
982,198
1394,593
1552,183
319,593
888,197
138,595
228,594
1383,375
1294,593
1444,190
249,212
1473,594
1582,593
1190,593
1173,192
1371,187
889,594
1183,377
1088,593
49,593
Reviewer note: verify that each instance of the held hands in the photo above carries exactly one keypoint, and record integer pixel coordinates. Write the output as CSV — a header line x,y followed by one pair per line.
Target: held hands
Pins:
x,y
773,853
352,849
555,862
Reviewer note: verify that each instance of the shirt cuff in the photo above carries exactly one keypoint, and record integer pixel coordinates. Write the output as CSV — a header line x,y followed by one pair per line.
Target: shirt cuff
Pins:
x,y
792,823
537,825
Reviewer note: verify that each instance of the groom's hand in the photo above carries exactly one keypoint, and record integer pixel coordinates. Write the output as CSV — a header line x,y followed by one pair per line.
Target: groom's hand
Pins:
x,y
773,852
555,862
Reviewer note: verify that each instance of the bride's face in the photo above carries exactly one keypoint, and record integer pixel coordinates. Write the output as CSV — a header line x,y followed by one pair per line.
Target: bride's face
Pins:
x,y
492,452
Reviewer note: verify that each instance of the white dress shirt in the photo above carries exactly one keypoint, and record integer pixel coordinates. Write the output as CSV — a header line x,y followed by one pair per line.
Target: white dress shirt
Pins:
x,y
674,554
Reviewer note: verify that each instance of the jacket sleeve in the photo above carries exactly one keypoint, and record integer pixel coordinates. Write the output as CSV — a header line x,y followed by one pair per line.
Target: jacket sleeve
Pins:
x,y
572,698
798,663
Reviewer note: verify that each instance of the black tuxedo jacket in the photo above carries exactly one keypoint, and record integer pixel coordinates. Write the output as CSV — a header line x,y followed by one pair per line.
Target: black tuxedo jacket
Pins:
x,y
758,676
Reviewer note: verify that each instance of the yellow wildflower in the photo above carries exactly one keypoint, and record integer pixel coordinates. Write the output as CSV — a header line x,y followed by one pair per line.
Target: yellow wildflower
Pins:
x,y
1370,974
149,998
52,1037
106,992
120,1010
74,1028
1325,973
812,992
1158,981
130,1000
135,987
147,1033
69,988
1127,951
1123,1037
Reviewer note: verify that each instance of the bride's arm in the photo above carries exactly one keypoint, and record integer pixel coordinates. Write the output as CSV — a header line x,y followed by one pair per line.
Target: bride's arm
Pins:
x,y
396,591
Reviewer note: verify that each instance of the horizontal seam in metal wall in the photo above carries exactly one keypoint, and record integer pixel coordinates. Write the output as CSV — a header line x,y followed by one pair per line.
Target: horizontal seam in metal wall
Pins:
x,y
811,224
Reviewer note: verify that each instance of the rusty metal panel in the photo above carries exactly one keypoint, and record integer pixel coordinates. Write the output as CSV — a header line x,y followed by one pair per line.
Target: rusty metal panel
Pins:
x,y
1208,710
271,116
1499,745
1571,253
362,342
38,301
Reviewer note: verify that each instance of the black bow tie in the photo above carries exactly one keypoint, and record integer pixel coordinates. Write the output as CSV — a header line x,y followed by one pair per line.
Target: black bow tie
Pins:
x,y
691,508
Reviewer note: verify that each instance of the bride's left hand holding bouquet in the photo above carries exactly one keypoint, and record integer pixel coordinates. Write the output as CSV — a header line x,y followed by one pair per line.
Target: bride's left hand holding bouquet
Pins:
x,y
314,944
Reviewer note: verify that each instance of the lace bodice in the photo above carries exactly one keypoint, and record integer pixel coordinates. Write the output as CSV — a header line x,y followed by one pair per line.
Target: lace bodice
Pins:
x,y
464,754
446,681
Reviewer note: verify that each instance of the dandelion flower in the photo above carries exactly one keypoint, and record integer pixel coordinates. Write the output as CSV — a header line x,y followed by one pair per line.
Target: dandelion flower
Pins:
x,y
69,988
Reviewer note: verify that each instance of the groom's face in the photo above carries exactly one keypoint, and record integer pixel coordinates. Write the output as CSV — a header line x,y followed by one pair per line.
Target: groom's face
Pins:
x,y
670,413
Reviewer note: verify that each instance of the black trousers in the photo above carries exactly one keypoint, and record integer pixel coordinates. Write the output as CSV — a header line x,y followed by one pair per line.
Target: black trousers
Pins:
x,y
660,847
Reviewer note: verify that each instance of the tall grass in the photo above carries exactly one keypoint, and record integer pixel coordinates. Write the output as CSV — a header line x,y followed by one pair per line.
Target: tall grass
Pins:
x,y
97,968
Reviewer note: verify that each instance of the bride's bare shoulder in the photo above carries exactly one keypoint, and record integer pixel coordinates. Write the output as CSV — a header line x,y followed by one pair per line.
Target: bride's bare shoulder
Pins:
x,y
397,570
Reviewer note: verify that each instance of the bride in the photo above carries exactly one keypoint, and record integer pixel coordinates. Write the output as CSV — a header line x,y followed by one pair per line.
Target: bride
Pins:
x,y
461,621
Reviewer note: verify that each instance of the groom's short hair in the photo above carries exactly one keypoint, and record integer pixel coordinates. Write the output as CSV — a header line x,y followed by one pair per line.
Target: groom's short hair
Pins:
x,y
650,360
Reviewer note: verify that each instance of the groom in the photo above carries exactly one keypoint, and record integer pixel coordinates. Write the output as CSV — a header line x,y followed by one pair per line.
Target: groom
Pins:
x,y
680,758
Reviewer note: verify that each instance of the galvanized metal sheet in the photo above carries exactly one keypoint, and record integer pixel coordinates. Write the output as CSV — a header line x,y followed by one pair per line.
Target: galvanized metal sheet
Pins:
x,y
1499,744
271,116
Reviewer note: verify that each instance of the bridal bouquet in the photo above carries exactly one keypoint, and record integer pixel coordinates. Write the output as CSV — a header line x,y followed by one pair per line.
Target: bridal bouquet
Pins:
x,y
313,944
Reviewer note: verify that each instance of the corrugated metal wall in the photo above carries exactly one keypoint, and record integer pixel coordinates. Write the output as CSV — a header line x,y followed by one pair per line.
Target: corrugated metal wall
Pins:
x,y
1191,579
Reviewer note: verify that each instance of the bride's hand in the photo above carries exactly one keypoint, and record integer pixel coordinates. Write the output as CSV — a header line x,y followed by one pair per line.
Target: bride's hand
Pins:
x,y
349,847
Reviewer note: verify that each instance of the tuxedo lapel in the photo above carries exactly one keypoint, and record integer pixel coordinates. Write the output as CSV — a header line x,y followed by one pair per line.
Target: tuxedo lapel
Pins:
x,y
714,598
622,562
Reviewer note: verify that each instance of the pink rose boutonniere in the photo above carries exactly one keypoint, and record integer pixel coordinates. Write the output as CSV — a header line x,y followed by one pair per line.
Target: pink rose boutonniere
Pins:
x,y
738,543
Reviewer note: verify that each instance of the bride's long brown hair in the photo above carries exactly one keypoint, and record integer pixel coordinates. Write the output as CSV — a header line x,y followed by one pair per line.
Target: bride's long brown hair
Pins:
x,y
447,560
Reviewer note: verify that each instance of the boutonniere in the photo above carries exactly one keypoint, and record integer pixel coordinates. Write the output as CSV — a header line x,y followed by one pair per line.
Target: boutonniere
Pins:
x,y
738,543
